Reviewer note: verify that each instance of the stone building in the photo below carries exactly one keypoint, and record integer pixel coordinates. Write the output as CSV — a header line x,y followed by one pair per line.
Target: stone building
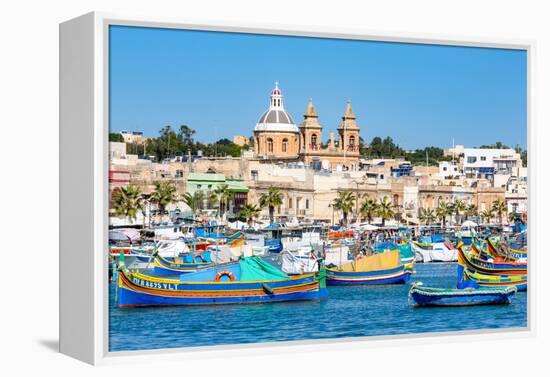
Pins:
x,y
277,138
276,135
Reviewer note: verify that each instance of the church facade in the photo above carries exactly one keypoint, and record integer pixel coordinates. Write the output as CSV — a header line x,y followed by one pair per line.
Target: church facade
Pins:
x,y
277,138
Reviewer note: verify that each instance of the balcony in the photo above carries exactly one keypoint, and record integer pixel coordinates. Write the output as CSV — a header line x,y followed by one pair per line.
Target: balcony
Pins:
x,y
352,148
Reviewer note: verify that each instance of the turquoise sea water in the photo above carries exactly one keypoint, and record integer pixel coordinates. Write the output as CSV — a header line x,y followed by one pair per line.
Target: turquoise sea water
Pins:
x,y
349,312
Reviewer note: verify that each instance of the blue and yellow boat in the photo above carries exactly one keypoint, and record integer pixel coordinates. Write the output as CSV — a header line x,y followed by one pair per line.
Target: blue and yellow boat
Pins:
x,y
377,269
250,280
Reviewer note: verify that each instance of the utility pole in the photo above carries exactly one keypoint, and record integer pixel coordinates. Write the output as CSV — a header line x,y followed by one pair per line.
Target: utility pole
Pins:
x,y
426,160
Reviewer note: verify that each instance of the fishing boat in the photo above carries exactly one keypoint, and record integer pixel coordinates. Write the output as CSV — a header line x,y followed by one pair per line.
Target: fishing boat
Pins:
x,y
250,280
484,280
175,266
489,267
419,295
405,252
502,250
384,268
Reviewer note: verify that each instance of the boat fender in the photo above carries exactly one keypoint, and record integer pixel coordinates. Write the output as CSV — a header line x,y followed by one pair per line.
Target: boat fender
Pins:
x,y
227,273
267,289
199,257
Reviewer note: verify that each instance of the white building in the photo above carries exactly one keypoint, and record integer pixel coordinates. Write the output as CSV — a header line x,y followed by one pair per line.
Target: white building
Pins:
x,y
117,150
485,163
449,169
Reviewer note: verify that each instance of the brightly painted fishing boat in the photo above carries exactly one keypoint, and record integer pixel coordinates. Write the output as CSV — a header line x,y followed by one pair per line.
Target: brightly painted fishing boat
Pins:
x,y
377,269
176,266
488,267
250,280
498,249
420,295
405,252
518,281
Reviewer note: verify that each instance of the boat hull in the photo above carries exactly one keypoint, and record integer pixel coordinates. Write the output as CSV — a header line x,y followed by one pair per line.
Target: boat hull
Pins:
x,y
422,297
394,276
140,290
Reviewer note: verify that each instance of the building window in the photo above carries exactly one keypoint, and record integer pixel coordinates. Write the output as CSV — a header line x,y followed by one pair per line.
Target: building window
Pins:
x,y
483,158
285,144
471,159
307,203
444,168
289,202
270,145
314,139
352,140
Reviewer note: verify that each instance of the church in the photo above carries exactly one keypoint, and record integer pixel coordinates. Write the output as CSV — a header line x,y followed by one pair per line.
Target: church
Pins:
x,y
277,138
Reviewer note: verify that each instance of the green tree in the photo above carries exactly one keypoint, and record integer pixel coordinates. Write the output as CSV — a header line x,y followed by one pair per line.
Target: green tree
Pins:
x,y
250,212
163,195
194,201
487,215
385,210
427,215
344,202
443,210
458,207
271,199
225,195
116,137
128,201
369,209
498,208
470,211
186,134
212,199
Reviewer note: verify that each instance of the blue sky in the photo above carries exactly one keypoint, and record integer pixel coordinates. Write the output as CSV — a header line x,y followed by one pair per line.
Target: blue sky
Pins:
x,y
219,84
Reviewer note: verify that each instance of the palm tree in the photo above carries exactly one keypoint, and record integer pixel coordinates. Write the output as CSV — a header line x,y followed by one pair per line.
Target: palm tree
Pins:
x,y
443,210
487,215
271,199
250,212
470,210
163,195
427,215
499,207
385,210
128,201
211,199
368,209
225,196
194,201
458,206
344,202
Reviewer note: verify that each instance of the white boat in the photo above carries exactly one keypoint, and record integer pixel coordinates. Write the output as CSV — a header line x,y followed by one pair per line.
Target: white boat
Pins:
x,y
171,248
434,252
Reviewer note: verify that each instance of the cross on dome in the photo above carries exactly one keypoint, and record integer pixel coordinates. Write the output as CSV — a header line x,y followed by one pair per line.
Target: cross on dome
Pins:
x,y
276,97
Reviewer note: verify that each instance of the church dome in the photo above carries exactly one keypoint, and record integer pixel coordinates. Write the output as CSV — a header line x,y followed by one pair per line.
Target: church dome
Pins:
x,y
276,118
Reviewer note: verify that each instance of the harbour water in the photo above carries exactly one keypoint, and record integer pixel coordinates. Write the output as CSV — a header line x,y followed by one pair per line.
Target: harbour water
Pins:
x,y
350,312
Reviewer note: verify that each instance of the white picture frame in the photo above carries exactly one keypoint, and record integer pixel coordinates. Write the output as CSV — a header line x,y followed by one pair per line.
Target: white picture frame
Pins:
x,y
84,132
